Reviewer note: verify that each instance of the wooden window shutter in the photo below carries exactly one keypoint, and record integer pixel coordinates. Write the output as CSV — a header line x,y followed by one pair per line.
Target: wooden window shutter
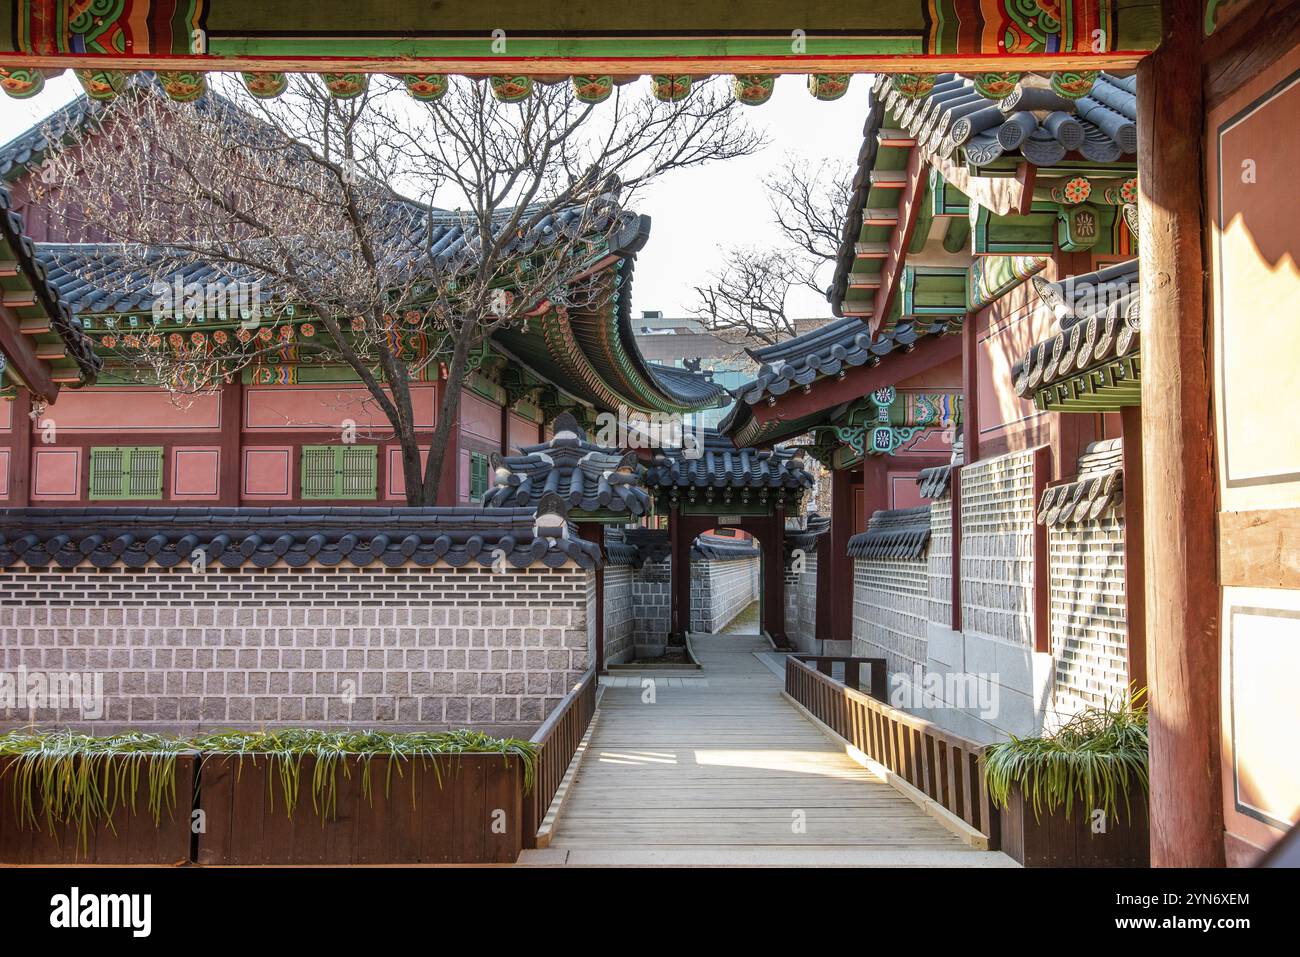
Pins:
x,y
126,472
478,476
357,470
107,466
340,471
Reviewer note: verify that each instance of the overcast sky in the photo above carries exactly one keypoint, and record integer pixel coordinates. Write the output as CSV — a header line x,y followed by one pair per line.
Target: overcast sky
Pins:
x,y
695,212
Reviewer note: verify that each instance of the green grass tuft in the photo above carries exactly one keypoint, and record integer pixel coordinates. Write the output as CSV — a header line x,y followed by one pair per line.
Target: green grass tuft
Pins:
x,y
1099,756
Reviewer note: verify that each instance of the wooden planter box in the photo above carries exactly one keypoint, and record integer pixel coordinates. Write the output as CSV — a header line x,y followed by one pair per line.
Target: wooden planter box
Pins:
x,y
1054,841
417,821
134,838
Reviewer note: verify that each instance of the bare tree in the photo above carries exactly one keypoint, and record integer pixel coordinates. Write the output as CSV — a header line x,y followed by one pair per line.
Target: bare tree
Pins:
x,y
329,206
747,298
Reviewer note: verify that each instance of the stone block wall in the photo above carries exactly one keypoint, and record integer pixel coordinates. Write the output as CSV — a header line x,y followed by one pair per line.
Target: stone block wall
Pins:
x,y
1088,618
408,647
801,604
721,590
938,559
891,603
997,547
652,603
620,616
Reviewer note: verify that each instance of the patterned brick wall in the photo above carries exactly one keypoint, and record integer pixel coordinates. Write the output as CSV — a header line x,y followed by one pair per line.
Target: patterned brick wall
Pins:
x,y
939,561
406,647
997,538
721,590
620,624
651,603
1089,623
801,604
891,600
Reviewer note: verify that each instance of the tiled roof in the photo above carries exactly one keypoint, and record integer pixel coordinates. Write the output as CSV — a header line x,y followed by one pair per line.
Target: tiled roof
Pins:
x,y
900,534
584,475
719,464
264,537
827,351
1098,316
808,537
29,147
957,121
722,548
1100,486
30,277
636,545
695,387
935,482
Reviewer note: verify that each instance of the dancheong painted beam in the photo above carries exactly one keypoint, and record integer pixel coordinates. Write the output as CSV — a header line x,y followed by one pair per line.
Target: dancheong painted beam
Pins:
x,y
514,37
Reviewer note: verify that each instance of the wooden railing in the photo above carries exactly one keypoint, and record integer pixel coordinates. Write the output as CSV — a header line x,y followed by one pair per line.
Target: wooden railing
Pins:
x,y
557,741
853,671
941,765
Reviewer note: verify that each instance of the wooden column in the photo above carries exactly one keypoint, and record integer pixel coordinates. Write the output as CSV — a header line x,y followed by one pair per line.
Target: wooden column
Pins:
x,y
230,477
837,556
595,532
954,484
1042,610
1182,590
774,586
679,577
449,483
20,452
1134,547
970,434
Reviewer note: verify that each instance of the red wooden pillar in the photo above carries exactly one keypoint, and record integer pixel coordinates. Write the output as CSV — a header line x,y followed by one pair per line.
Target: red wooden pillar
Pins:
x,y
773,603
595,532
837,556
1182,589
20,452
679,576
230,477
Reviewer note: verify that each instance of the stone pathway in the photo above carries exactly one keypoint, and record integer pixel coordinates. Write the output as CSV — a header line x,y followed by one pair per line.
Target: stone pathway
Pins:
x,y
746,623
730,773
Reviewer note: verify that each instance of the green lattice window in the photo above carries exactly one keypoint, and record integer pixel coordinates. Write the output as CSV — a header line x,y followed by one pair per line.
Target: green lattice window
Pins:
x,y
339,471
478,476
126,471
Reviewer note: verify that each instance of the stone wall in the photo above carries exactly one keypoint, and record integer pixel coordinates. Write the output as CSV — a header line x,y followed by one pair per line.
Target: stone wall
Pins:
x,y
997,547
938,559
890,606
1089,623
652,603
801,605
435,647
721,590
620,615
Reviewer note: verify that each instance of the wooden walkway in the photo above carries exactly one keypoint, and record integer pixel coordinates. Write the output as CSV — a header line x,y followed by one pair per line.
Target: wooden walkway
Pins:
x,y
715,767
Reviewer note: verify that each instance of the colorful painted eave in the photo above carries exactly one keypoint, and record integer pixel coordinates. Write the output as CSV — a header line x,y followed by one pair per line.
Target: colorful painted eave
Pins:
x,y
42,344
515,41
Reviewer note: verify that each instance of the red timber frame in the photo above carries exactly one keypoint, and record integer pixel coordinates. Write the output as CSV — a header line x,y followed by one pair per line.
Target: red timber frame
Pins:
x,y
769,530
1181,579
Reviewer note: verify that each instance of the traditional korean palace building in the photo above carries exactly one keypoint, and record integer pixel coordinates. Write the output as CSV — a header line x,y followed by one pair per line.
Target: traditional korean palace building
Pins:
x,y
1064,308
110,488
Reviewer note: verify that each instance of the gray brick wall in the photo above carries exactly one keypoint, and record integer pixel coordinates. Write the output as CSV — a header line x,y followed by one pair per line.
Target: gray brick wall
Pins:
x,y
997,547
891,601
651,603
406,647
721,590
939,561
1089,623
801,604
620,616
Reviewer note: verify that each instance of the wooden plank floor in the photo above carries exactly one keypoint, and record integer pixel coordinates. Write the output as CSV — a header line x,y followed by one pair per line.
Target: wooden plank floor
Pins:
x,y
719,768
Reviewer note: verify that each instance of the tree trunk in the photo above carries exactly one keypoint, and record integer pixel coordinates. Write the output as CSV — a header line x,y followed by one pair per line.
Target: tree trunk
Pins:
x,y
448,416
